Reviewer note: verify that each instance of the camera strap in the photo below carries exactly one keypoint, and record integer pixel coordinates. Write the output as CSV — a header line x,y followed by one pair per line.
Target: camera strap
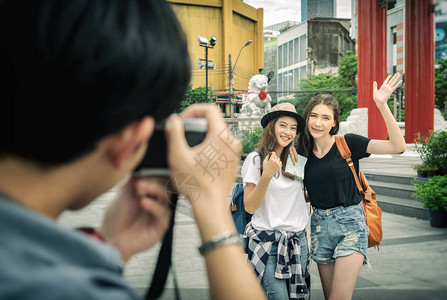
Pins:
x,y
164,260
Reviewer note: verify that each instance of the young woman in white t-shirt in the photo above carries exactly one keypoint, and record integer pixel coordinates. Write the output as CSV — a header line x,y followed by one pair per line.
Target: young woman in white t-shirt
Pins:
x,y
277,248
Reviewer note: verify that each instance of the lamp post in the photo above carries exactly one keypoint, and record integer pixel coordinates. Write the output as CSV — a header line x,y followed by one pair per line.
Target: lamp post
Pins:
x,y
204,42
231,73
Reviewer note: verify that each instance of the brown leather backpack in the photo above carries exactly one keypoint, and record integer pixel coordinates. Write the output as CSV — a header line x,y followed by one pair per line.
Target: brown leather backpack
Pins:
x,y
372,212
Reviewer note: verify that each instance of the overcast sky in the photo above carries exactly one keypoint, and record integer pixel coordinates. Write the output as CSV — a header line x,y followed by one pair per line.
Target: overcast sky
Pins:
x,y
277,11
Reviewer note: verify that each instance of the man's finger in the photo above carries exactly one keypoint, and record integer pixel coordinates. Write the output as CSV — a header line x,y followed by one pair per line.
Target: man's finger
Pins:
x,y
175,137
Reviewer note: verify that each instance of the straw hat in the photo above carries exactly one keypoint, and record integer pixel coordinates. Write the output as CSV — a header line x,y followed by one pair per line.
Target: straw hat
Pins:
x,y
283,109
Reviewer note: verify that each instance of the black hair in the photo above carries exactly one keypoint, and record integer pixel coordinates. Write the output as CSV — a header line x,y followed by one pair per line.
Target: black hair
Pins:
x,y
77,71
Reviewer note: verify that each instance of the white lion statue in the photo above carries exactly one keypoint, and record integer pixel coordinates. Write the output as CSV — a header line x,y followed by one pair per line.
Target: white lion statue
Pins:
x,y
258,100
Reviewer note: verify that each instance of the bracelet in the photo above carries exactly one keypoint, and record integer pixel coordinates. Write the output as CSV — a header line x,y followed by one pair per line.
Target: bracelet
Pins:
x,y
91,232
222,239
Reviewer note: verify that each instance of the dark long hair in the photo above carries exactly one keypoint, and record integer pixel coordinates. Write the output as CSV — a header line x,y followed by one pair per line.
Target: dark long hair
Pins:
x,y
268,143
305,140
77,71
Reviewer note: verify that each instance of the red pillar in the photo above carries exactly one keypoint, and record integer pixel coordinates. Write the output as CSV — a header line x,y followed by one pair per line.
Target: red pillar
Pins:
x,y
419,68
371,61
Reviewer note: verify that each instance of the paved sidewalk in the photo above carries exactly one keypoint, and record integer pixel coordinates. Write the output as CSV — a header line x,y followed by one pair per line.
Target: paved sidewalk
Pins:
x,y
411,263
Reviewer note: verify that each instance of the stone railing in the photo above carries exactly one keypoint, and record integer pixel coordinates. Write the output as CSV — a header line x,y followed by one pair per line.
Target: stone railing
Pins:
x,y
240,125
357,122
440,123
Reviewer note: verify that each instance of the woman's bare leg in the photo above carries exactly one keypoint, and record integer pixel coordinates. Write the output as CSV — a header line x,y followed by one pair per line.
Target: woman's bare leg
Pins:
x,y
346,271
326,275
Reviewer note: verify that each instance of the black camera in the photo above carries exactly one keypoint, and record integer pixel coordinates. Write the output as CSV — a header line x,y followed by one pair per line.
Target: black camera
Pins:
x,y
154,162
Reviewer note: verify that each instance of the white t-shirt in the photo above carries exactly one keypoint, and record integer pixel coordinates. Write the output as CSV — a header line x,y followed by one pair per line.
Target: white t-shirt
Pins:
x,y
284,206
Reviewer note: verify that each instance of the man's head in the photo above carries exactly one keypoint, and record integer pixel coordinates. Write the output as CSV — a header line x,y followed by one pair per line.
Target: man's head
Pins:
x,y
77,71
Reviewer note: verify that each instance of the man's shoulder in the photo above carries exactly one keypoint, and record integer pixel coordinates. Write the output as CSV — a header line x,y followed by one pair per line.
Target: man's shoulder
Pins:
x,y
43,273
58,282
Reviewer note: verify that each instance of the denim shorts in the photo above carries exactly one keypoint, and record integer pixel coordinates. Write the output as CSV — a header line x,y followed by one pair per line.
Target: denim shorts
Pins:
x,y
338,231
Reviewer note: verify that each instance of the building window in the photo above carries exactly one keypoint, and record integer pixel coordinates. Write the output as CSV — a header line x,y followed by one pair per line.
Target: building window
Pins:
x,y
394,43
280,57
296,51
303,72
291,85
296,78
285,55
280,88
291,60
302,48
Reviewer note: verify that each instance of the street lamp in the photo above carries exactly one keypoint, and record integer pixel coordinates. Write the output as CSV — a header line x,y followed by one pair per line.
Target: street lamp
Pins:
x,y
231,71
204,42
246,44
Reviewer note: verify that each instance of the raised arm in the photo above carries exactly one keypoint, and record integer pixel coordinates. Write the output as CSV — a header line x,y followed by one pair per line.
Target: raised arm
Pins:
x,y
229,274
254,193
396,142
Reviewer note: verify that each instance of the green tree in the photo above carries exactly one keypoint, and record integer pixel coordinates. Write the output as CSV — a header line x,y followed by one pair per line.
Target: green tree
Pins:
x,y
322,83
312,83
196,95
348,69
441,84
250,140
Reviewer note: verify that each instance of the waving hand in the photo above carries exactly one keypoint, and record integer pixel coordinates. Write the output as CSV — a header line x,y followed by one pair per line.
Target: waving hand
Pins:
x,y
390,84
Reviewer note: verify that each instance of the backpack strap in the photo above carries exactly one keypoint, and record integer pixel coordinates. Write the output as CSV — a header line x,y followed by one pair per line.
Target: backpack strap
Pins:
x,y
346,154
260,159
233,206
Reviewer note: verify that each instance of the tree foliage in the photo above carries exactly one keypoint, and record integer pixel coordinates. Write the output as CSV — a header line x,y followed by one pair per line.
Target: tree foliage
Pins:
x,y
196,95
323,83
250,140
441,84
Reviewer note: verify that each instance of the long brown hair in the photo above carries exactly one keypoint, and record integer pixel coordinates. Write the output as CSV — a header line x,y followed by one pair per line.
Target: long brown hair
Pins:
x,y
268,143
305,139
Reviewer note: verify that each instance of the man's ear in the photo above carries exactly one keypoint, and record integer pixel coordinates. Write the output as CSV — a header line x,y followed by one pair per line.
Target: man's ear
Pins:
x,y
129,140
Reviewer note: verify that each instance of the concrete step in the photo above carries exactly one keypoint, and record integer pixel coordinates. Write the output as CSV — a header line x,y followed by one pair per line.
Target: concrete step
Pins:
x,y
397,190
395,194
402,207
400,179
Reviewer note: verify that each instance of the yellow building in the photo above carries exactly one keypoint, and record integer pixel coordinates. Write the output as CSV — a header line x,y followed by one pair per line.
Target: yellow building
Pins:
x,y
233,23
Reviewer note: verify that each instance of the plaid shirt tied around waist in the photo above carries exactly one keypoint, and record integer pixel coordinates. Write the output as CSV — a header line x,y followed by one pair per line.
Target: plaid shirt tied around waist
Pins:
x,y
289,262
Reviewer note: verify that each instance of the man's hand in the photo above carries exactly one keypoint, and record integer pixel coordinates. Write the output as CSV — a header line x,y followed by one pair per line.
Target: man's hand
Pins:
x,y
215,162
205,173
138,217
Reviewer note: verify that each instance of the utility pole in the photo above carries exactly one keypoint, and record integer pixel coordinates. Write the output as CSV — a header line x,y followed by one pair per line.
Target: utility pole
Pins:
x,y
231,75
230,72
206,74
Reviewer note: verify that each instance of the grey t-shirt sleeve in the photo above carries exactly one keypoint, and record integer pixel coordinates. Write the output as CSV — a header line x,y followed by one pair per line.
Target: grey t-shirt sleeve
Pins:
x,y
68,284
